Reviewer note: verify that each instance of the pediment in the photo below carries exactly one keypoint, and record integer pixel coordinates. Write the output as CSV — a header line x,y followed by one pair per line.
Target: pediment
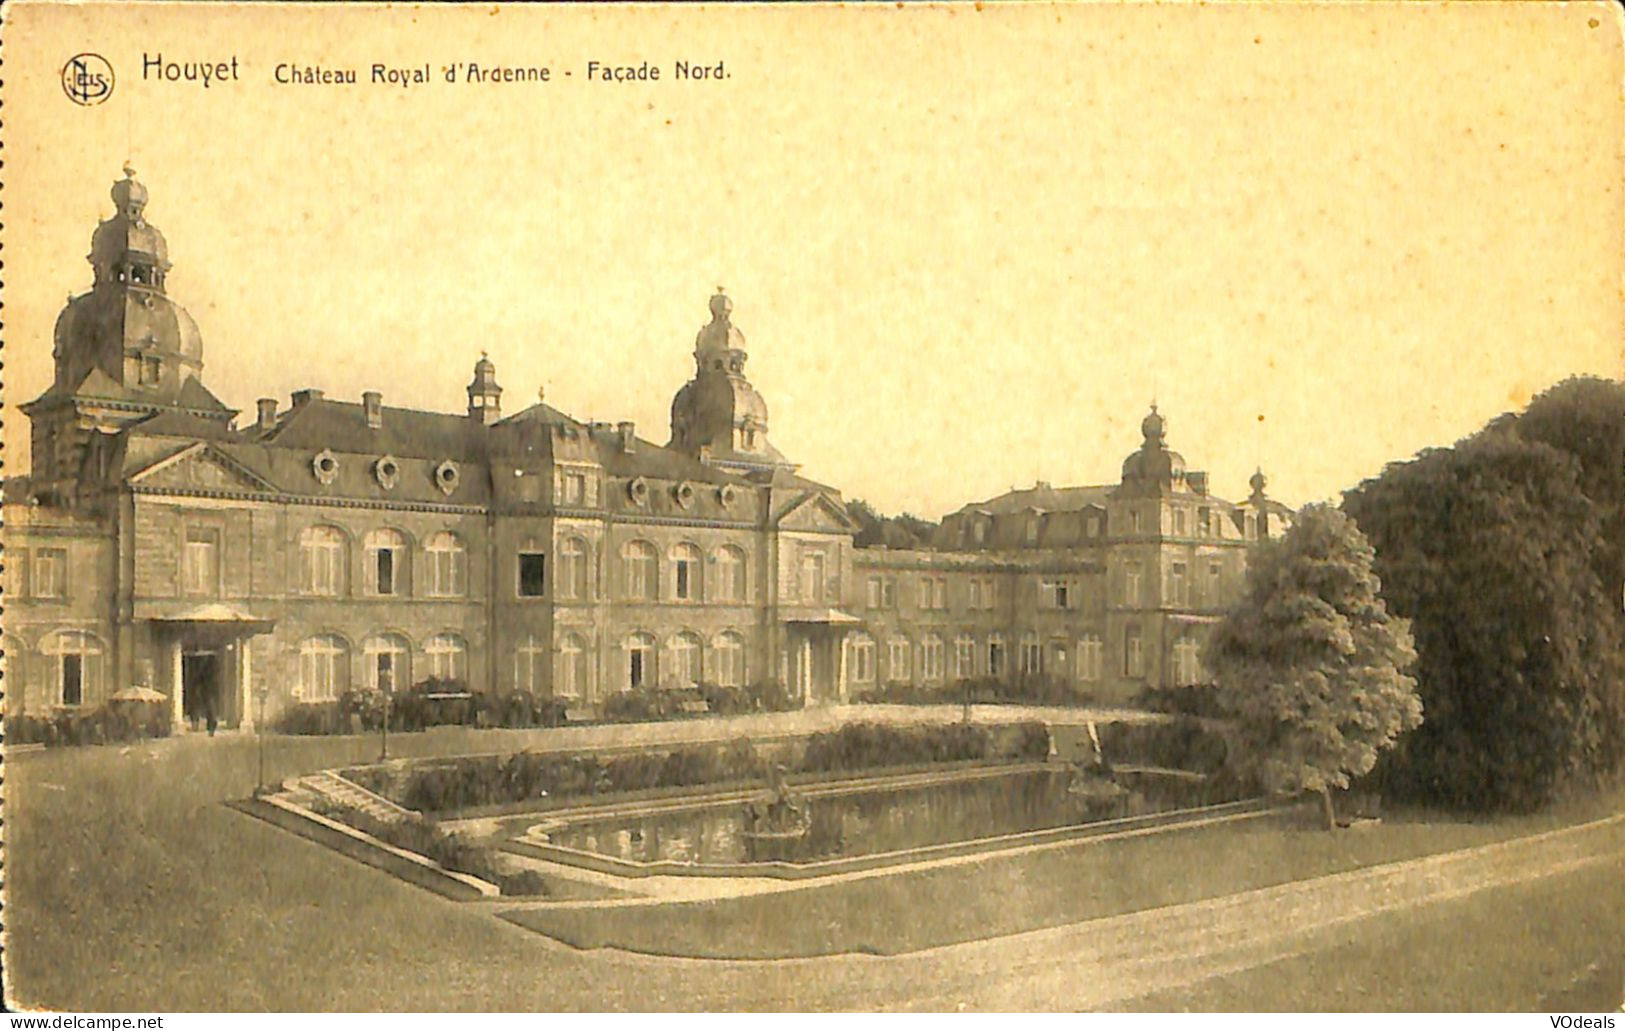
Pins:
x,y
199,467
816,513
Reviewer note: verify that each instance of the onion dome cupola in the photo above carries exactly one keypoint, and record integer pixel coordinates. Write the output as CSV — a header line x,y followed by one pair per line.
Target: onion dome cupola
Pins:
x,y
484,395
1154,469
1258,482
718,415
127,326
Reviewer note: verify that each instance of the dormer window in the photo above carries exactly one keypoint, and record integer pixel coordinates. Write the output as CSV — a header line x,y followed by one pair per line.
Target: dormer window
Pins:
x,y
152,370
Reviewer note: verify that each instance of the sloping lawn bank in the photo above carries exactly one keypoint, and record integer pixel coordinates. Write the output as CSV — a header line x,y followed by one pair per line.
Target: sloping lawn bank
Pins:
x,y
1002,895
1553,946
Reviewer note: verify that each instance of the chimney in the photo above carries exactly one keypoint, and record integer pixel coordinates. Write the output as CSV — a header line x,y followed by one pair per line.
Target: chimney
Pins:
x,y
627,439
372,403
267,410
305,396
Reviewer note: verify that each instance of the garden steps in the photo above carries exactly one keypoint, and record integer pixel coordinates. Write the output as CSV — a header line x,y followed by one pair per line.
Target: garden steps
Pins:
x,y
336,789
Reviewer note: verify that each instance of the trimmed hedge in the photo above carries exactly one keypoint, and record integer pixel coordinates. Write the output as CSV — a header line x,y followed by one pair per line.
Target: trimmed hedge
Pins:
x,y
114,723
1184,743
472,781
1016,690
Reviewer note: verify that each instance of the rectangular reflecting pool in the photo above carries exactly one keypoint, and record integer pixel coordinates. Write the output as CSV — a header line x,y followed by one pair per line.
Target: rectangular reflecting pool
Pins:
x,y
872,820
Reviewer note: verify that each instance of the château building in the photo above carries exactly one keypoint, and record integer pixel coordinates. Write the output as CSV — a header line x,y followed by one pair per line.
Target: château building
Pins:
x,y
161,540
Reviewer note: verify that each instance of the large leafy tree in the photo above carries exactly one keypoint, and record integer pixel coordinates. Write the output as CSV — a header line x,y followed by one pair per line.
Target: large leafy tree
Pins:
x,y
1491,548
1311,665
1585,417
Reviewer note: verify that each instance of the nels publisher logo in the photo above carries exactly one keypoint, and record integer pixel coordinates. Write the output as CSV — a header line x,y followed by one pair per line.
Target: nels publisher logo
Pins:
x,y
87,79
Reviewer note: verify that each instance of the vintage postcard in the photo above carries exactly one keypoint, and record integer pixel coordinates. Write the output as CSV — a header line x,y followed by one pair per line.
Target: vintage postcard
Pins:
x,y
821,507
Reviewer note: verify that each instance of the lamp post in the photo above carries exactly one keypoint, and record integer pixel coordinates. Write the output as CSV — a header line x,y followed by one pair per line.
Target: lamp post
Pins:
x,y
388,692
260,694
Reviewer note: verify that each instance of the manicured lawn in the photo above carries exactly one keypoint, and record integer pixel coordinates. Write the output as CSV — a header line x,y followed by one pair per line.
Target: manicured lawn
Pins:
x,y
1554,945
1005,895
129,886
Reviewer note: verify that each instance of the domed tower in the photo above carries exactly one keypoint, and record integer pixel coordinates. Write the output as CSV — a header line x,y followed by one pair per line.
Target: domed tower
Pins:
x,y
123,350
484,395
127,326
1153,469
718,416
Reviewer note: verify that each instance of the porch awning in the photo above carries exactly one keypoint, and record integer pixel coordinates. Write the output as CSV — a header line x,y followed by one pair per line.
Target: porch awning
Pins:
x,y
821,617
212,615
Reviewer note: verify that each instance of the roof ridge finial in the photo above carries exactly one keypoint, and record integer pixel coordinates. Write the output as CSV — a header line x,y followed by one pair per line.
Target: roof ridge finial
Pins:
x,y
129,169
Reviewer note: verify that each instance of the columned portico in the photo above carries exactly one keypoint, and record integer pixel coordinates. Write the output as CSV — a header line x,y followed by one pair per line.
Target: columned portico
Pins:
x,y
815,651
209,664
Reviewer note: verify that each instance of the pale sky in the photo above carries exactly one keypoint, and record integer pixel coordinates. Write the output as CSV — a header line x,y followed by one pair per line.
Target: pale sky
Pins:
x,y
965,248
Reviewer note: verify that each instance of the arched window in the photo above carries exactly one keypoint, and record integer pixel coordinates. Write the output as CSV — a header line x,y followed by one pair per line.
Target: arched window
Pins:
x,y
863,659
75,660
683,655
386,562
685,573
995,655
570,676
572,576
642,577
530,664
729,652
730,578
640,660
931,657
448,657
324,668
448,565
387,662
321,561
898,667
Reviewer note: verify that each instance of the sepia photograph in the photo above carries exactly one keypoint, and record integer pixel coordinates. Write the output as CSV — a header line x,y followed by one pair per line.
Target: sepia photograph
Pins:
x,y
962,507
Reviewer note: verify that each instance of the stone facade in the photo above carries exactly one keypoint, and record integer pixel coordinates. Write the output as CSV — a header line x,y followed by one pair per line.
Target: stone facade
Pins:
x,y
336,545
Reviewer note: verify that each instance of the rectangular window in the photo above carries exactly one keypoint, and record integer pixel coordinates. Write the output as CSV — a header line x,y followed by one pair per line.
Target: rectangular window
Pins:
x,y
635,670
1131,584
684,571
888,592
16,570
385,561
152,370
1179,522
1204,522
575,488
863,661
1055,594
812,576
995,658
1133,659
1178,587
873,596
1090,659
976,594
532,574
200,562
897,660
964,658
73,679
1032,657
50,573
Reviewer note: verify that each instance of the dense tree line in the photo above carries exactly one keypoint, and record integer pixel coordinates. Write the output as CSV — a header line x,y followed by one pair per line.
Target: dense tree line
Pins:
x,y
1506,553
881,531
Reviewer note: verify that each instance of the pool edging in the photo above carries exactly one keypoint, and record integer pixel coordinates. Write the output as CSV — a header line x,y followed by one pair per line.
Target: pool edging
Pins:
x,y
781,870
